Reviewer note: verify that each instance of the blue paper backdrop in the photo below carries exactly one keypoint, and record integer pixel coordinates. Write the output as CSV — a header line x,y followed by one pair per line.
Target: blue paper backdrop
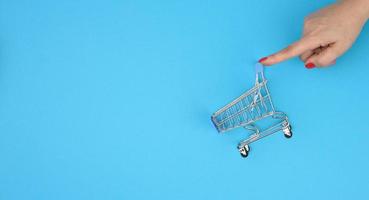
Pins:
x,y
112,100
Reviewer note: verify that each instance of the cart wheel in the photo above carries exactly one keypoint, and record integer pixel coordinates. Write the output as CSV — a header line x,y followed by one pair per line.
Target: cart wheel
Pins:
x,y
288,135
245,151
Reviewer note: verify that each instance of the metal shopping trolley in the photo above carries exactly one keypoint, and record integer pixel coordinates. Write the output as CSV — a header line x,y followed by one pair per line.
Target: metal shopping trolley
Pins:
x,y
251,108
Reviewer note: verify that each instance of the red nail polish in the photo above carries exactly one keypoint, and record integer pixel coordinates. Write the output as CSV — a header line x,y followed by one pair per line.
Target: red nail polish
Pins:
x,y
263,59
310,65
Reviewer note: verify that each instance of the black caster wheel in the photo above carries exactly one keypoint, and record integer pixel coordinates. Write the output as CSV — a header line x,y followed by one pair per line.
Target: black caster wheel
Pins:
x,y
245,151
288,135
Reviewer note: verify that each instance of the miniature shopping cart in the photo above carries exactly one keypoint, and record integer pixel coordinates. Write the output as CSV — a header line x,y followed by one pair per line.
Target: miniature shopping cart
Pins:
x,y
251,108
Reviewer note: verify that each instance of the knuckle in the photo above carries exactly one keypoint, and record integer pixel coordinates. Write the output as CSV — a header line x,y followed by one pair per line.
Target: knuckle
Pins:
x,y
307,19
307,22
315,38
325,61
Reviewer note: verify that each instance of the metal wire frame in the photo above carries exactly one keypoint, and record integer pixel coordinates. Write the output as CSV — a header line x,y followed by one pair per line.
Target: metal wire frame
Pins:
x,y
253,105
281,125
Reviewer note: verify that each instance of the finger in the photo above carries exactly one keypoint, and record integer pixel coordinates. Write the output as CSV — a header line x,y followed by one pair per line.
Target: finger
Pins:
x,y
304,56
311,65
310,53
320,49
293,50
326,57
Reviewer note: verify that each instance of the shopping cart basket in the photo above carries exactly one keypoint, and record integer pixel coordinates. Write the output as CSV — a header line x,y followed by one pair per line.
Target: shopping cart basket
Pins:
x,y
252,107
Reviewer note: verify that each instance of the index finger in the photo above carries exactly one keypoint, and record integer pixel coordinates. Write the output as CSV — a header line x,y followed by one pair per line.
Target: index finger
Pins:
x,y
291,51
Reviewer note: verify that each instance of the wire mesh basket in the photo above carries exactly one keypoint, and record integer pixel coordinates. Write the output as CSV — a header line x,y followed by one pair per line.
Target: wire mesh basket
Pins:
x,y
253,106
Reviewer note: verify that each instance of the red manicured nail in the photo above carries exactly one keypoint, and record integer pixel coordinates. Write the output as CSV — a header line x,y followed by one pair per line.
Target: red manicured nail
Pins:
x,y
263,59
310,65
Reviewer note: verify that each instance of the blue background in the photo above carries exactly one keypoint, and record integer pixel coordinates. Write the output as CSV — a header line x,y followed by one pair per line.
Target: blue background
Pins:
x,y
112,100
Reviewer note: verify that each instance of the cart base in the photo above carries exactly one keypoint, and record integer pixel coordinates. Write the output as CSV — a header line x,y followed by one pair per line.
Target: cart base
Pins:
x,y
283,125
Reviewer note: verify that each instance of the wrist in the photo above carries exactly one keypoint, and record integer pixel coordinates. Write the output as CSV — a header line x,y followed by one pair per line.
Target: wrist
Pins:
x,y
360,8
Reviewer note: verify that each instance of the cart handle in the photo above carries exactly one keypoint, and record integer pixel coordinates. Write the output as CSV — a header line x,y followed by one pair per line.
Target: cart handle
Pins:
x,y
259,73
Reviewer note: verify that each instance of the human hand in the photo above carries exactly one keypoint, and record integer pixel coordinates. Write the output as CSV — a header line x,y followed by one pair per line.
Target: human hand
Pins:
x,y
327,34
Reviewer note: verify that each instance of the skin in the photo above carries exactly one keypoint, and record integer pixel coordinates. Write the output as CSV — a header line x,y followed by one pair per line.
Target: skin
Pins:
x,y
328,33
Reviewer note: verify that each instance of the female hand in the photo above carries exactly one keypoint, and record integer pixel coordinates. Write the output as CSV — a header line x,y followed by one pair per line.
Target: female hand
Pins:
x,y
327,34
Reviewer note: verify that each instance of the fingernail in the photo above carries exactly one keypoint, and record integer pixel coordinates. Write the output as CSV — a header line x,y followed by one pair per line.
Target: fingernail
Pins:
x,y
263,59
310,65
